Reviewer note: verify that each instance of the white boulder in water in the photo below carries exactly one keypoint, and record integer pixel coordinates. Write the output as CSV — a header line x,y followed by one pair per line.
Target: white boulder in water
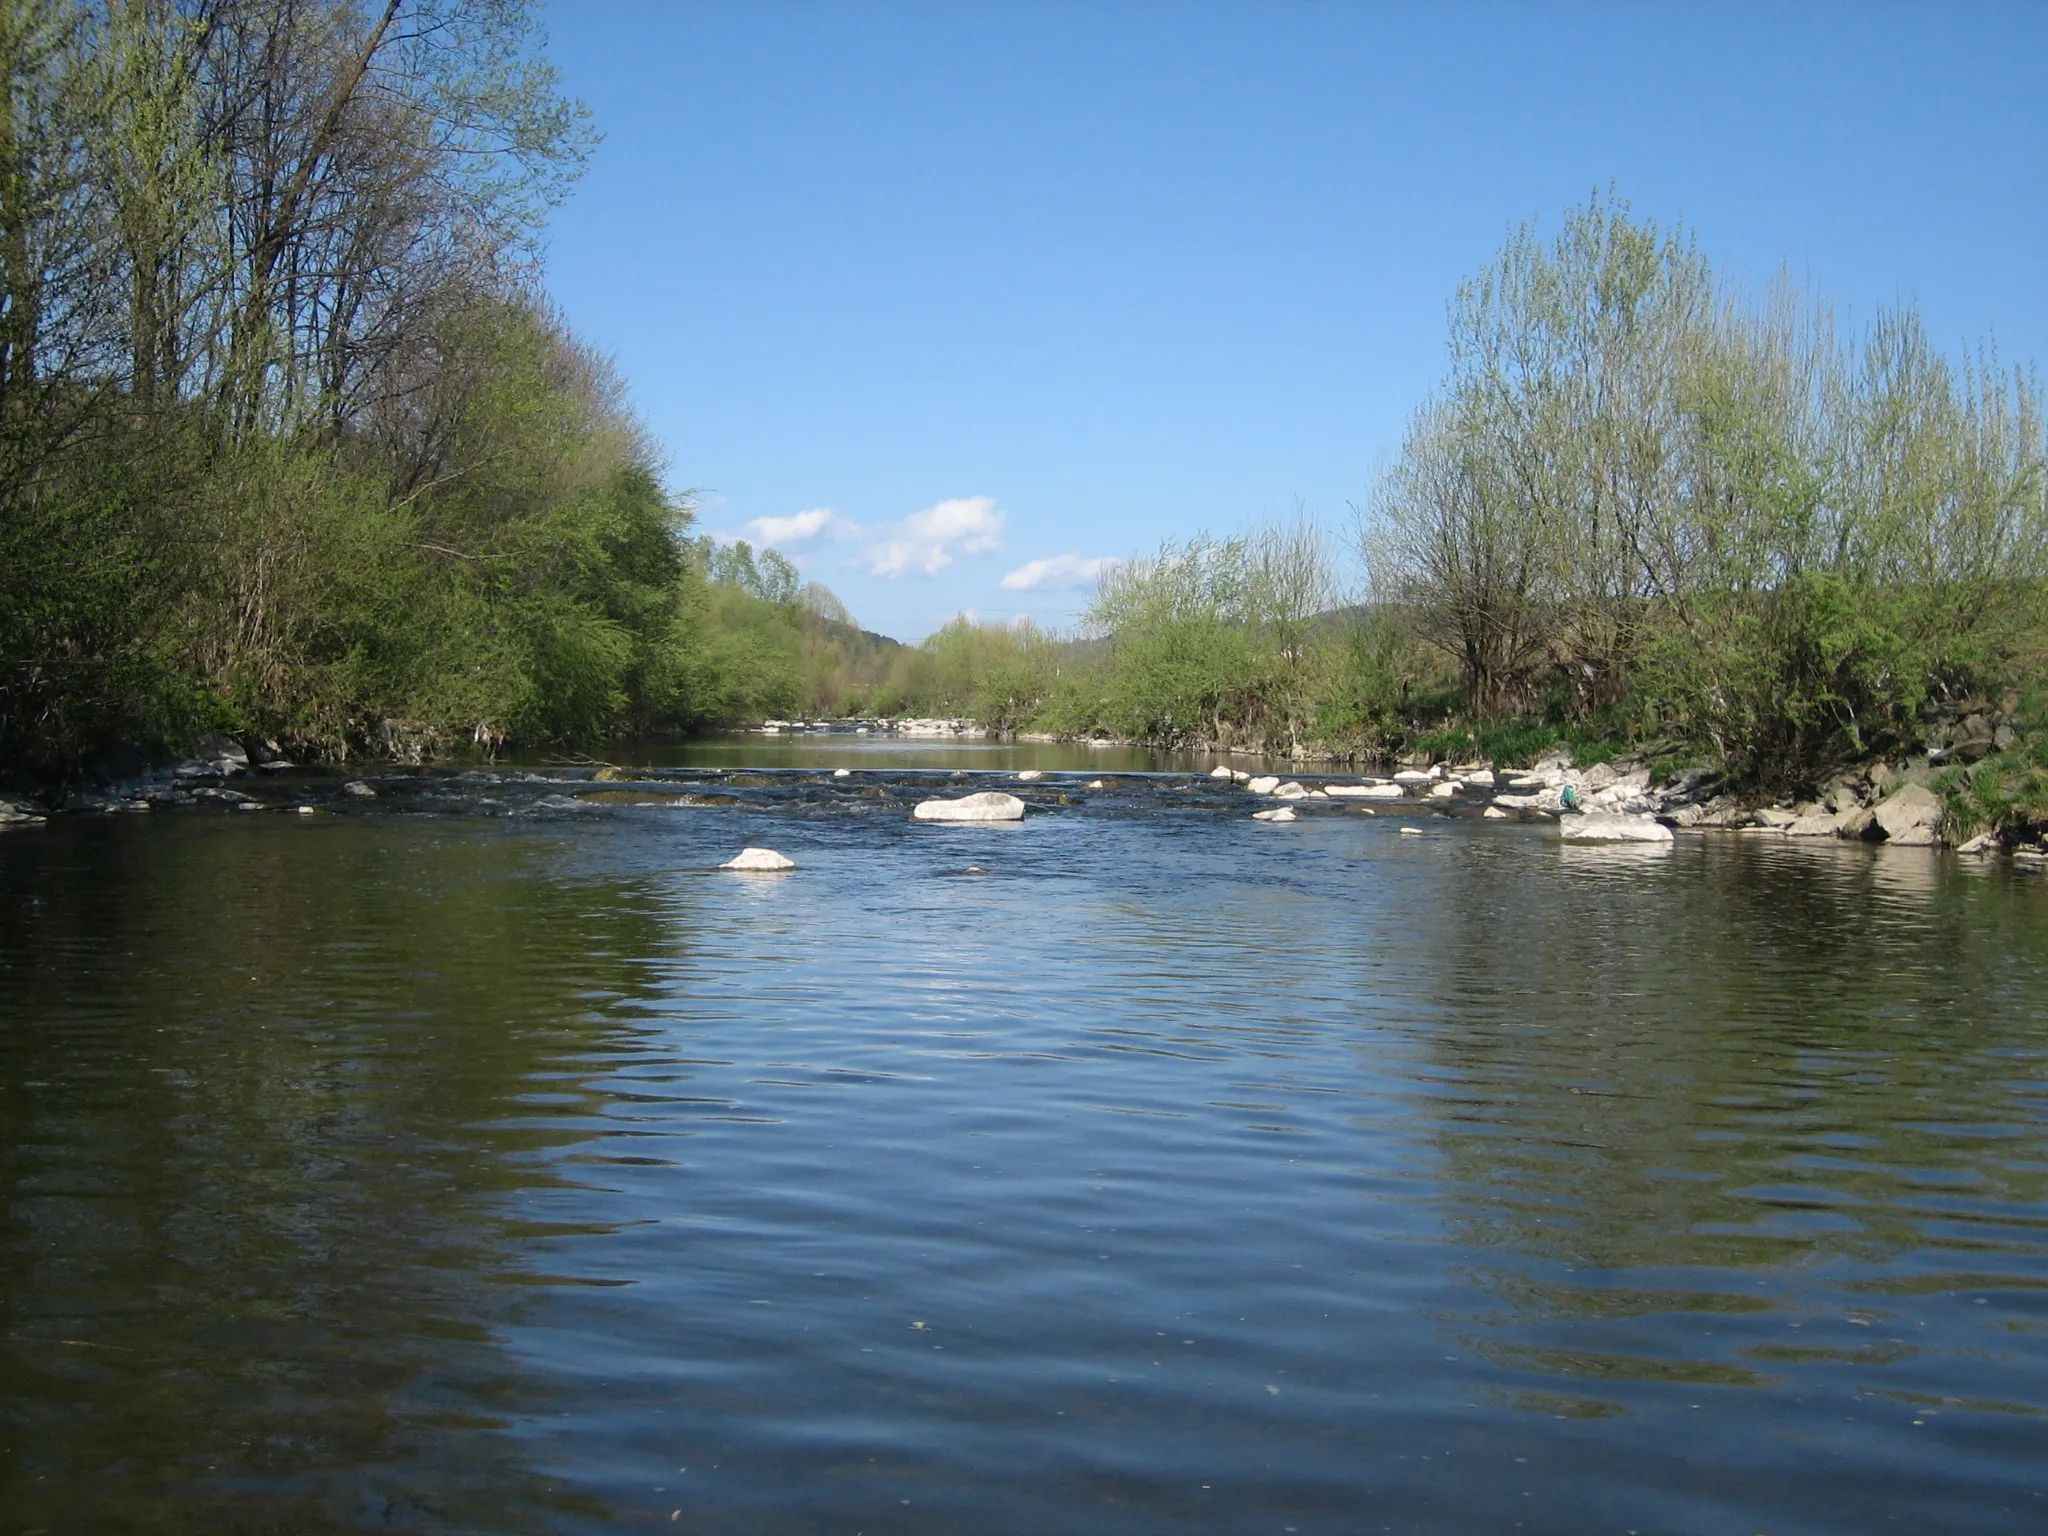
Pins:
x,y
990,805
759,860
1365,791
1413,776
1596,827
1280,813
1219,772
1031,773
1290,791
1494,813
842,773
1264,784
1443,791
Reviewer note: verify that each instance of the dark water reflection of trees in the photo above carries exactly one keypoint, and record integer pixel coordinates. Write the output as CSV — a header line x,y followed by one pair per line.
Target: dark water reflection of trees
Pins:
x,y
1697,1068
252,1239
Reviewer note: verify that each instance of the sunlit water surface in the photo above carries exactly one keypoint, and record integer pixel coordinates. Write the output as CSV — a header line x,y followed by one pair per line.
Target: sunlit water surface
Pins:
x,y
475,1158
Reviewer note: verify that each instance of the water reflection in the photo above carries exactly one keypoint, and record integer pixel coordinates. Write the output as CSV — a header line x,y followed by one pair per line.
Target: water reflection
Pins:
x,y
252,1244
458,1170
1697,1150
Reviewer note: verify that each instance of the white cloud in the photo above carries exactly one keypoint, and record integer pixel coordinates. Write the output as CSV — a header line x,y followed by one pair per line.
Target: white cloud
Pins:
x,y
1059,571
926,542
803,527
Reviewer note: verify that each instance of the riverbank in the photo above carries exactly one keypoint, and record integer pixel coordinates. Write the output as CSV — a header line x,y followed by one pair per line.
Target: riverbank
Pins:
x,y
803,769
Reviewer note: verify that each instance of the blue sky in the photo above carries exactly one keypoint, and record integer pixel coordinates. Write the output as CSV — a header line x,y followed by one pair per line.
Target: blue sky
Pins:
x,y
944,296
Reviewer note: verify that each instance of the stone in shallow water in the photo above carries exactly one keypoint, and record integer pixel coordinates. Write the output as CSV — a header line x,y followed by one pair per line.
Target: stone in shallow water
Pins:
x,y
1290,791
1219,772
990,805
1031,773
1283,813
842,773
1494,813
1264,784
1597,828
1365,791
762,860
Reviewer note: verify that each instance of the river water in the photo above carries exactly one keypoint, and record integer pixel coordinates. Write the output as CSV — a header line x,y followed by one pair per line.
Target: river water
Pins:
x,y
473,1157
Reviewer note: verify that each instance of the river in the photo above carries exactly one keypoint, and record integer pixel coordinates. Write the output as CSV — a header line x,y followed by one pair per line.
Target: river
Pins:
x,y
474,1157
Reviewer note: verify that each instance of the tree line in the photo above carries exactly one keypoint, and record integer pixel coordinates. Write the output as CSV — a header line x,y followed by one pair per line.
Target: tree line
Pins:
x,y
1644,509
291,443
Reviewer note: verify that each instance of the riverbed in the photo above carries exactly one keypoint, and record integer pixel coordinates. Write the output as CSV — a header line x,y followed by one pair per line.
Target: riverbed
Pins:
x,y
474,1156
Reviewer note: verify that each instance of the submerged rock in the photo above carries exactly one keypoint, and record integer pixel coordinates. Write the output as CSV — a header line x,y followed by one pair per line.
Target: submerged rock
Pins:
x,y
1279,813
359,789
990,805
759,861
1600,827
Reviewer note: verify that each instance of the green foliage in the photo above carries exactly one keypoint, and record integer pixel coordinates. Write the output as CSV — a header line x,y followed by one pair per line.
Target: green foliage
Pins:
x,y
1638,499
2006,793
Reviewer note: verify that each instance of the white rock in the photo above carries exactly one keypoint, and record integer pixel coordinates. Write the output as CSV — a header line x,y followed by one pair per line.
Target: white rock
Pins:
x,y
1983,842
1818,821
1240,775
1551,800
1265,784
1219,772
1912,816
759,859
1597,828
1290,791
1442,791
1494,813
358,788
1097,784
1411,831
1031,773
1481,776
1319,794
1366,792
1279,813
842,773
990,805
1413,776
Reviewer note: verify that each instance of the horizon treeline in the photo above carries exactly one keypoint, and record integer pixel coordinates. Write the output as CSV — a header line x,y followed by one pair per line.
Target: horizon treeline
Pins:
x,y
291,443
1643,508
